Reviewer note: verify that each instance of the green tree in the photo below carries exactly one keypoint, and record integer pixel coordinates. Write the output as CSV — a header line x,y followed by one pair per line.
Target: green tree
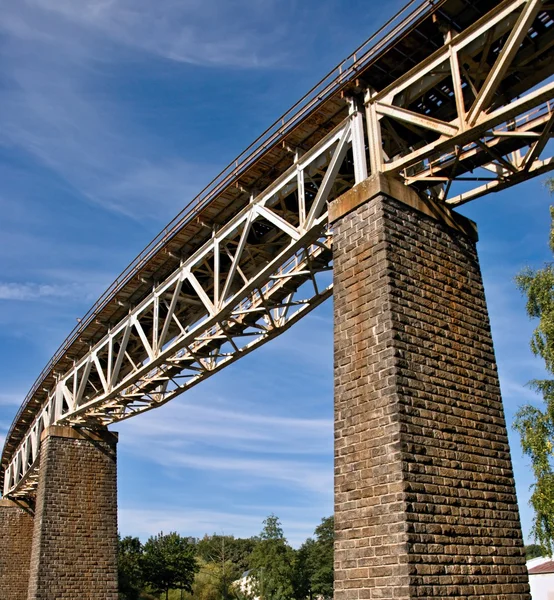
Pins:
x,y
303,571
533,551
168,561
272,563
210,582
129,569
226,559
314,563
322,558
227,550
536,424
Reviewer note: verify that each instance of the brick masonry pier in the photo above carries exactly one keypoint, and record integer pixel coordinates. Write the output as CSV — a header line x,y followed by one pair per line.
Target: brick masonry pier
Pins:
x,y
425,503
16,535
74,555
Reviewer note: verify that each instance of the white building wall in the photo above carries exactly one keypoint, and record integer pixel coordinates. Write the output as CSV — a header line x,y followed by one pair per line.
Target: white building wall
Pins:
x,y
542,586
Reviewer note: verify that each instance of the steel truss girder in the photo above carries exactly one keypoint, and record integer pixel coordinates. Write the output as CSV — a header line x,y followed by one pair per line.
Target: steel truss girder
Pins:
x,y
470,139
155,353
265,268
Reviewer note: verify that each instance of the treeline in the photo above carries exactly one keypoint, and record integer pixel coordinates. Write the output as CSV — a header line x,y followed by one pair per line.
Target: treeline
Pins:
x,y
222,567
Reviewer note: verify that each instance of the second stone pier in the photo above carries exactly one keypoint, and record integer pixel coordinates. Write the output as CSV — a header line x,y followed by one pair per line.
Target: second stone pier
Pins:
x,y
74,553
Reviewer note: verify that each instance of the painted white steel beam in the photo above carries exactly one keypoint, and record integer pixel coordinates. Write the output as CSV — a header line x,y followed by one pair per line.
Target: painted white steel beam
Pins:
x,y
167,343
473,138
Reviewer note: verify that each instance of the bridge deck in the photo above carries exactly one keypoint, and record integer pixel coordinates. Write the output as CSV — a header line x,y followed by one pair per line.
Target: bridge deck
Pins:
x,y
405,43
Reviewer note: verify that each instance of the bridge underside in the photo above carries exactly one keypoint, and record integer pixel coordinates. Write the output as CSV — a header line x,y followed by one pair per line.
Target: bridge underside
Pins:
x,y
450,103
453,103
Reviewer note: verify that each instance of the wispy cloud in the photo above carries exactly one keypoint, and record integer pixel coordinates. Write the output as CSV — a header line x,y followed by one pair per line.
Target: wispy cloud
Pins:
x,y
253,449
240,427
35,291
206,32
516,393
10,399
252,472
57,109
4,425
85,142
245,521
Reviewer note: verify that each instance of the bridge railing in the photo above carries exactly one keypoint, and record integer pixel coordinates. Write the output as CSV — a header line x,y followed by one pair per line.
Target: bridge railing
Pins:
x,y
321,91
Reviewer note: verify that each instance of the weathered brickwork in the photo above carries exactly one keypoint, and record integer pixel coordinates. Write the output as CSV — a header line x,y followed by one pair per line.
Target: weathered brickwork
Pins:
x,y
16,536
74,554
425,503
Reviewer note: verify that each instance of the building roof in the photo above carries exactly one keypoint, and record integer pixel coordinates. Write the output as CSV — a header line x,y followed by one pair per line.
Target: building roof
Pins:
x,y
545,567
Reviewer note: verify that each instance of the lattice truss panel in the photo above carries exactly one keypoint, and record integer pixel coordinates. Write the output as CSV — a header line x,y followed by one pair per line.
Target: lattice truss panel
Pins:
x,y
474,117
460,116
256,276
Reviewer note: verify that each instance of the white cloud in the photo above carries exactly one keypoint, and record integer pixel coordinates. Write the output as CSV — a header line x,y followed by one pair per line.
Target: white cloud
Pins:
x,y
10,399
245,521
147,522
516,393
250,448
238,426
4,425
308,476
203,32
54,109
93,149
36,291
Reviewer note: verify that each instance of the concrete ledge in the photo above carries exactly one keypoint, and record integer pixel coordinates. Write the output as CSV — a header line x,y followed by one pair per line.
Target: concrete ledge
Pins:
x,y
7,503
64,431
382,184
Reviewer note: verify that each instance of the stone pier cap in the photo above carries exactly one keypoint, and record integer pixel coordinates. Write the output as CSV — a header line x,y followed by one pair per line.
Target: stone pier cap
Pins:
x,y
394,188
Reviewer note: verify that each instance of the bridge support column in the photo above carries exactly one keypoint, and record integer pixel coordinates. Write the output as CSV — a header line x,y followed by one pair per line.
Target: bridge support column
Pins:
x,y
74,552
16,535
425,503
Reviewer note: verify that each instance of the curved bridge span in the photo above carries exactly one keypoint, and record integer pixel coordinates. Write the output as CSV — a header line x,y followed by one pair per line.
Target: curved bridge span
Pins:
x,y
448,91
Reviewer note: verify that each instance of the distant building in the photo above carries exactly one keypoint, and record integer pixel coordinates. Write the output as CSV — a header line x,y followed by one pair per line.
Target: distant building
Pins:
x,y
246,585
541,578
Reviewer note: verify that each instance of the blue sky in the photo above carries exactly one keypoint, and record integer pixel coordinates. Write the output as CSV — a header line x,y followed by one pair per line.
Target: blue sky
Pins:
x,y
113,114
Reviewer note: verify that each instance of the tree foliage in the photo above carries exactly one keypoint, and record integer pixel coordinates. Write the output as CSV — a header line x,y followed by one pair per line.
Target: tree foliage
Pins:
x,y
536,424
304,570
227,549
212,581
168,561
225,558
314,563
322,558
272,563
533,551
129,568
210,568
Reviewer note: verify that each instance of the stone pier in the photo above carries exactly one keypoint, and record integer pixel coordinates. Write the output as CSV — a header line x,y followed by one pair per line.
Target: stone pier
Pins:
x,y
425,503
74,554
16,536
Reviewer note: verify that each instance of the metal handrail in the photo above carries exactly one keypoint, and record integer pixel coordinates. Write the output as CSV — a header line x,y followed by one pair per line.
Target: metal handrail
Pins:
x,y
324,89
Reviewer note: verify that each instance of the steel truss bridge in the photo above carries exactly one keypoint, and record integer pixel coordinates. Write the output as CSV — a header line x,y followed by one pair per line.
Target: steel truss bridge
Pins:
x,y
453,98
